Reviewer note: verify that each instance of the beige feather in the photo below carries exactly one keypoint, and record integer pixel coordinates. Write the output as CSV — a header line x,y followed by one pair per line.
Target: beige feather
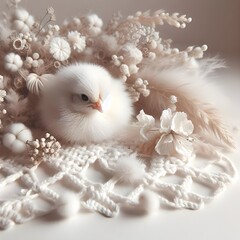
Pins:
x,y
194,95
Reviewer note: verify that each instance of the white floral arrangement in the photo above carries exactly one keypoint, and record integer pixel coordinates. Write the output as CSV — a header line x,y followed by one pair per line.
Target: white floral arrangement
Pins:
x,y
131,49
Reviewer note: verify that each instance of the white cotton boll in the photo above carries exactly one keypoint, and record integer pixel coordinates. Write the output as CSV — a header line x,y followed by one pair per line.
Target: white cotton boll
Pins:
x,y
18,146
16,136
13,62
24,135
8,139
130,169
22,20
68,205
149,201
93,24
21,14
15,128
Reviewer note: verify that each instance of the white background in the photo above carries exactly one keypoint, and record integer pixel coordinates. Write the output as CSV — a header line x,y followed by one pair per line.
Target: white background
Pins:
x,y
216,23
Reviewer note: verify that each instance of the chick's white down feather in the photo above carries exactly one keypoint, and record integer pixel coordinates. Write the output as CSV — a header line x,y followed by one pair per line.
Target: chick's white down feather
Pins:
x,y
84,103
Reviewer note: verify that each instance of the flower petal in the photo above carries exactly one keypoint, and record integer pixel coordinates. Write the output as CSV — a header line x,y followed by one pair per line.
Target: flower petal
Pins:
x,y
181,125
183,146
165,121
165,146
147,121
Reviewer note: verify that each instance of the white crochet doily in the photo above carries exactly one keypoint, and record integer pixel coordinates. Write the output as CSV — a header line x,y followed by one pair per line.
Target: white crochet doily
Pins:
x,y
172,182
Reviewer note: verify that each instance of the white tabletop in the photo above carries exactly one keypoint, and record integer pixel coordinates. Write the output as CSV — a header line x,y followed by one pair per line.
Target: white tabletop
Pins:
x,y
218,220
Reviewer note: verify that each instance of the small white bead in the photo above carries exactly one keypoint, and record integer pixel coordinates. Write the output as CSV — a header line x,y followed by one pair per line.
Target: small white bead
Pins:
x,y
204,47
29,60
35,56
35,63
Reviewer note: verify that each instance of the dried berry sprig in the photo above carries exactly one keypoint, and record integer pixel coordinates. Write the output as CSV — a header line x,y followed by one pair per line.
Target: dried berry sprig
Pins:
x,y
43,148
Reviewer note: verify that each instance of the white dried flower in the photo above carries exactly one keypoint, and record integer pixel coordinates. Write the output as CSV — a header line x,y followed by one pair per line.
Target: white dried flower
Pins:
x,y
13,62
22,20
176,122
16,136
36,83
131,54
176,129
140,86
147,122
93,24
77,41
50,10
43,148
60,49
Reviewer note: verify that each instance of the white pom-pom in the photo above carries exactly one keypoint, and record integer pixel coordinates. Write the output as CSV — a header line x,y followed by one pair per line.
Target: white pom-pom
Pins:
x,y
130,169
69,205
149,201
16,136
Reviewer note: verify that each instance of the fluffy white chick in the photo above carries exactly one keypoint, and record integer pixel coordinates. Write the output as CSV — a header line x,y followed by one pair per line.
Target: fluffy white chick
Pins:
x,y
84,103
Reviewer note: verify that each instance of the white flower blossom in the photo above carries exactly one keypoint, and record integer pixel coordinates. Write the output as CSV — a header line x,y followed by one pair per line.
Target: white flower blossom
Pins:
x,y
176,129
148,123
77,41
22,20
93,24
60,49
13,62
131,54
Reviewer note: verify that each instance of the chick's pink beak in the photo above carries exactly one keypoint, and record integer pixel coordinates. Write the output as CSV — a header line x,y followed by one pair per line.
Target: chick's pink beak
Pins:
x,y
97,105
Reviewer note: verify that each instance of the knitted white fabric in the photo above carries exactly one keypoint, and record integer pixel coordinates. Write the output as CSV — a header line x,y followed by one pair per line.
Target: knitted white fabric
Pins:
x,y
73,164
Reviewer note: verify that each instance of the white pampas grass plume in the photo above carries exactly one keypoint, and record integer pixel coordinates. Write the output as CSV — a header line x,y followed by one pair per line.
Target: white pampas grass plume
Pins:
x,y
68,205
130,169
148,201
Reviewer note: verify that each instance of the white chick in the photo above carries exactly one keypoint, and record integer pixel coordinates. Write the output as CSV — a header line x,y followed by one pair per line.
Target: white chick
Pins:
x,y
84,103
